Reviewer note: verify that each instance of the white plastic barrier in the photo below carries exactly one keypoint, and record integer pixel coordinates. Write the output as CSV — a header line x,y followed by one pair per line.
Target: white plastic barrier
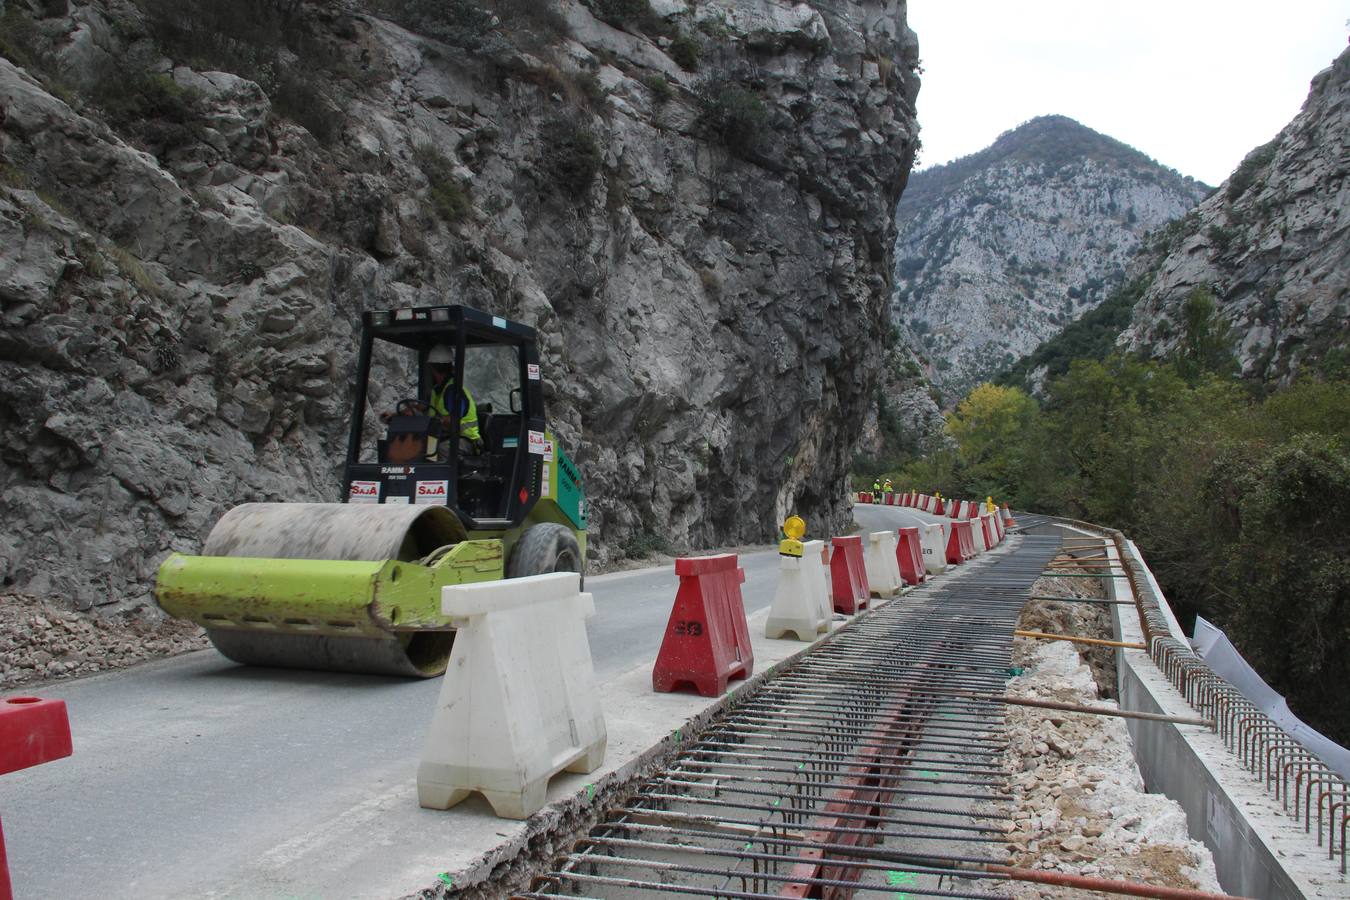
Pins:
x,y
993,529
813,556
977,533
799,602
933,540
518,701
881,564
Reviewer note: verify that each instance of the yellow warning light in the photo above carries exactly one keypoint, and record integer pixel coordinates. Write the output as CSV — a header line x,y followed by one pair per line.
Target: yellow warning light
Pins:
x,y
794,528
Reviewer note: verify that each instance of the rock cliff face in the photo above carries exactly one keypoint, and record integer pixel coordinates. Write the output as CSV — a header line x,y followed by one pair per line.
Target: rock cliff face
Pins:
x,y
998,251
1272,245
692,204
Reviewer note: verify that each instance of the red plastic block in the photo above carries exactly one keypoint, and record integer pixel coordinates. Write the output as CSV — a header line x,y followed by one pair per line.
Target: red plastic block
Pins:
x,y
937,510
990,532
909,553
967,530
707,640
32,731
956,553
848,575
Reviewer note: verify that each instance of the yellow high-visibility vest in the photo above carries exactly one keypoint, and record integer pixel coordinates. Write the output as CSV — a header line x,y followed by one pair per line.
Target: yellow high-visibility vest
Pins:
x,y
468,423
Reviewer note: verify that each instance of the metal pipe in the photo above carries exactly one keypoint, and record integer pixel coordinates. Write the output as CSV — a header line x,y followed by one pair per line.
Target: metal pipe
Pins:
x,y
1097,711
1099,642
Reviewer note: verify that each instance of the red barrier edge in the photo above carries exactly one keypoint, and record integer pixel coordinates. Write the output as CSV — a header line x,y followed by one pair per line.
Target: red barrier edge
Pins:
x,y
33,731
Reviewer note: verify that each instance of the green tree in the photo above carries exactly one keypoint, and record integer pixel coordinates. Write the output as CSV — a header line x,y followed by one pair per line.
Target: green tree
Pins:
x,y
990,427
1206,340
1286,572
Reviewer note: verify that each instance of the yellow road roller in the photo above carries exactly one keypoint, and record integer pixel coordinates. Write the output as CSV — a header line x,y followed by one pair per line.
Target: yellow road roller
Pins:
x,y
461,482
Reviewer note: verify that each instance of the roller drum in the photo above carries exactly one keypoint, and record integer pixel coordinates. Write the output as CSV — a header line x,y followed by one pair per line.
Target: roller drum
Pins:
x,y
334,531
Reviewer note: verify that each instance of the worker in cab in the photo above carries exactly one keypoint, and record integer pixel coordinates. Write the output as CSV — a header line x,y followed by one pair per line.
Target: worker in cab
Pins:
x,y
441,370
441,365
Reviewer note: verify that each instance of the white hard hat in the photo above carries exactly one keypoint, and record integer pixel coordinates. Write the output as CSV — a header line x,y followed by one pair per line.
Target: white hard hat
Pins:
x,y
441,355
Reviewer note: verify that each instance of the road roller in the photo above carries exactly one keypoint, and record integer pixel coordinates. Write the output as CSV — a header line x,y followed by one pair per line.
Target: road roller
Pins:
x,y
435,492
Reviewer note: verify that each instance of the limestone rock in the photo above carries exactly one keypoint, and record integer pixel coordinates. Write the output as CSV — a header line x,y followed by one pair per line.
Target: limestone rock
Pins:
x,y
998,251
180,304
1272,245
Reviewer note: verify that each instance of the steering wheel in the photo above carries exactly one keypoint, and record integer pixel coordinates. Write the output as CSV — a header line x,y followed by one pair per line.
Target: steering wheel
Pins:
x,y
412,404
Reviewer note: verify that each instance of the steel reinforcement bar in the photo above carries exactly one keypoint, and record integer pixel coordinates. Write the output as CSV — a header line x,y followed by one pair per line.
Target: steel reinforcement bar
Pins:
x,y
872,765
1308,790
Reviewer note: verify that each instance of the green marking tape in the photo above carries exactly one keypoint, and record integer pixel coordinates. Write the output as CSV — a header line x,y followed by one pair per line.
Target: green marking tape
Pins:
x,y
590,792
899,879
677,735
778,802
445,877
1015,671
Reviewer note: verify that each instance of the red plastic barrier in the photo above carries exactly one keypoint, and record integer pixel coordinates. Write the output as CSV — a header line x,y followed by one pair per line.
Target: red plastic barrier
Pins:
x,y
990,533
909,553
960,543
955,555
707,640
32,731
890,499
848,575
967,539
937,509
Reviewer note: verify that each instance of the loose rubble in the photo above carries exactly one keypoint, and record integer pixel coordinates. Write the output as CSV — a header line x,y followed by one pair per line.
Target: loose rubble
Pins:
x,y
41,640
1081,804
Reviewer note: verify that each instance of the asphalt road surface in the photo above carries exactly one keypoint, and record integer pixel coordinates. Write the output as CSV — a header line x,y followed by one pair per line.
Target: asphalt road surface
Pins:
x,y
188,770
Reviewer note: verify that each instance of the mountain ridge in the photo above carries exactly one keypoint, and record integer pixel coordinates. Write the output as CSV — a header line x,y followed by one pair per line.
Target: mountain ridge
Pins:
x,y
997,251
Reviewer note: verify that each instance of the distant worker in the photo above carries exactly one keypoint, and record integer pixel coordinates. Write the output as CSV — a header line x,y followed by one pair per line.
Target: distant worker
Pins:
x,y
888,487
876,490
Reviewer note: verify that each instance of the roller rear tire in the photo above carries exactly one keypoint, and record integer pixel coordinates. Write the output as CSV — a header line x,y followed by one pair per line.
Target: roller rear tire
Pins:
x,y
546,547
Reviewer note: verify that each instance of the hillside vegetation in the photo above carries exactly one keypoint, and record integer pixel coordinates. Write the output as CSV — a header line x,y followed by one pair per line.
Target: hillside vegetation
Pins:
x,y
1237,498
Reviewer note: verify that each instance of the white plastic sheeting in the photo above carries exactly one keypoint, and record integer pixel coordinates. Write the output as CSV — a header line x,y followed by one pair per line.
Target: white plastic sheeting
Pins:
x,y
1220,655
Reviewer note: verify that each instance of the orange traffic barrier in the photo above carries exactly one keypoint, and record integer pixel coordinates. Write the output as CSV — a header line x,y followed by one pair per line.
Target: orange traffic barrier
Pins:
x,y
848,575
707,640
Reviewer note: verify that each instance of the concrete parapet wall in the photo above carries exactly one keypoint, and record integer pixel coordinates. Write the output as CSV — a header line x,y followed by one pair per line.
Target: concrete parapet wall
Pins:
x,y
1259,851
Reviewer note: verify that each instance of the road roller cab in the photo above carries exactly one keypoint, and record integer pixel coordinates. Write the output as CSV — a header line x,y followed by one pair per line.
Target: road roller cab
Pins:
x,y
492,484
355,585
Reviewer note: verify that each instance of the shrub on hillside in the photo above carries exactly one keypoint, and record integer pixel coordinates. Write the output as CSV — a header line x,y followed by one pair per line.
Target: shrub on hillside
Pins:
x,y
630,15
733,114
571,156
447,195
686,52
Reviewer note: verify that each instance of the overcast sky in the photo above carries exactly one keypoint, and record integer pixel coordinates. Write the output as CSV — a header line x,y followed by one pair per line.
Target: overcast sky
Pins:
x,y
1195,84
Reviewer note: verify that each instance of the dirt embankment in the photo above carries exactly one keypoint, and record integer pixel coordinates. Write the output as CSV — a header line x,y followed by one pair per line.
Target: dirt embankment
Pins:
x,y
40,640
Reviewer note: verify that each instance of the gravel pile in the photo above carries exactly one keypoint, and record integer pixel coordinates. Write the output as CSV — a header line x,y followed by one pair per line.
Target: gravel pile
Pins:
x,y
1081,807
40,640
